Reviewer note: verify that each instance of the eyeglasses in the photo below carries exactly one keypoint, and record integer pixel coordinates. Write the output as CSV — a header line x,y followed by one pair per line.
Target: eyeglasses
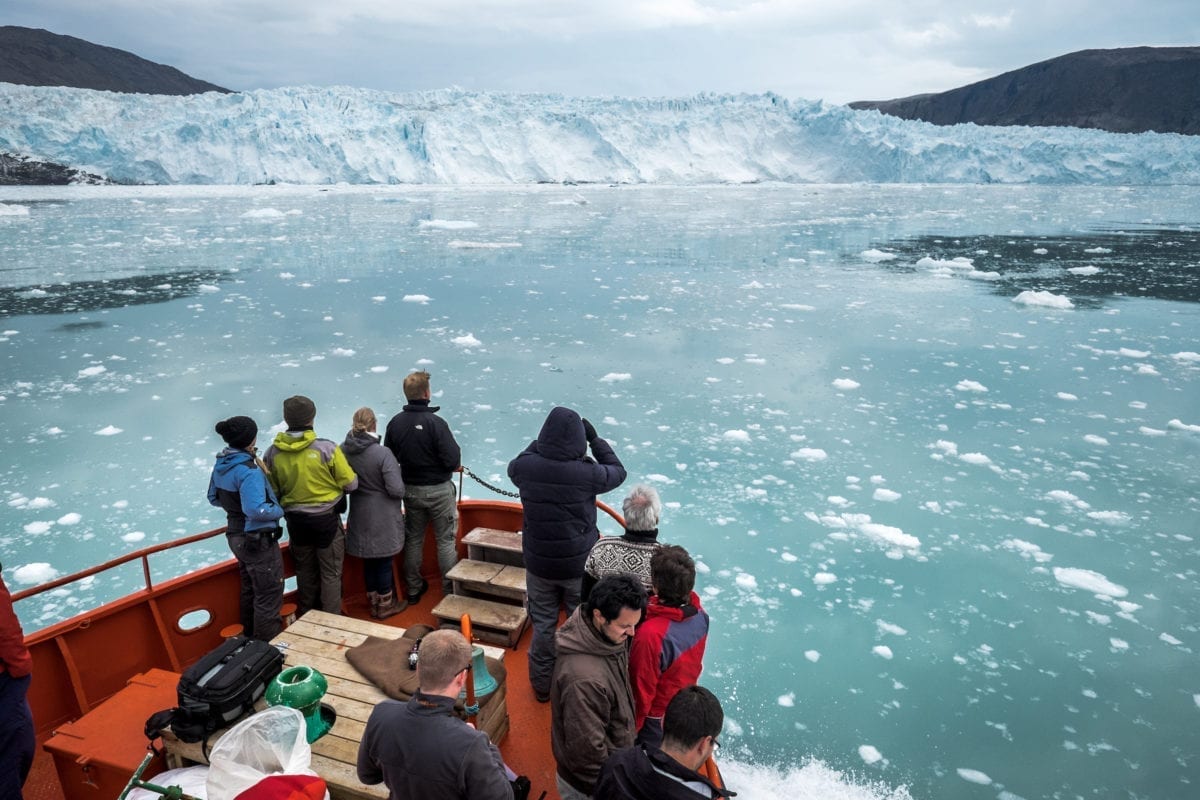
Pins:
x,y
464,669
716,744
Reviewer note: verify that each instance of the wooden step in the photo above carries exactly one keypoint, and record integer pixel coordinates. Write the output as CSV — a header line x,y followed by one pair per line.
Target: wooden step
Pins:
x,y
488,578
500,623
490,544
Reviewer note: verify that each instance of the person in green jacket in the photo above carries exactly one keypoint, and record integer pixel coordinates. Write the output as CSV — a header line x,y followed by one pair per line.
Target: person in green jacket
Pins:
x,y
311,478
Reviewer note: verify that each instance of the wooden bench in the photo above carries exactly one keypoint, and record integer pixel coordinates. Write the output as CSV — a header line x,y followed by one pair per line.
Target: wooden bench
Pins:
x,y
501,623
474,578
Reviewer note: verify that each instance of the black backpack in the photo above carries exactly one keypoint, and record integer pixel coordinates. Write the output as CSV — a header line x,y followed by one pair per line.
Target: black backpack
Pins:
x,y
218,689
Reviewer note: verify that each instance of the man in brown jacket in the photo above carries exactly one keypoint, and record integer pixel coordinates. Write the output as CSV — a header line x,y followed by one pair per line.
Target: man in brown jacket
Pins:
x,y
591,702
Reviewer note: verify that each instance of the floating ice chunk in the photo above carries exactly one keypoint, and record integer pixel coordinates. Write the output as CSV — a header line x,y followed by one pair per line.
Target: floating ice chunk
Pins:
x,y
133,536
970,386
616,377
786,700
869,754
812,655
746,581
736,436
824,578
467,340
447,224
342,352
888,627
1118,645
1098,250
71,518
379,369
208,288
726,360
1026,549
263,213
974,776
883,651
109,430
890,535
845,384
1187,357
38,572
937,264
797,307
1092,438
1177,425
1128,353
423,299
40,502
949,448
1088,270
379,298
886,495
1089,581
13,210
1065,497
979,459
874,256
459,244
810,454
1066,396
38,528
1041,251
1169,639
1110,517
91,372
1043,299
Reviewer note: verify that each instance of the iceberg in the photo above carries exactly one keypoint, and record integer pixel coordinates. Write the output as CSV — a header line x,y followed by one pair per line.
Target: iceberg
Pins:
x,y
308,135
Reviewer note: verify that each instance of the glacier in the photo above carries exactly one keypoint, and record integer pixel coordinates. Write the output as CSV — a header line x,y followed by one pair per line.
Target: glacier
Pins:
x,y
309,135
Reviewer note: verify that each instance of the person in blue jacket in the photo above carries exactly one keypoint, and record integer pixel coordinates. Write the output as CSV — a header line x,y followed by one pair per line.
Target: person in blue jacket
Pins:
x,y
558,485
239,485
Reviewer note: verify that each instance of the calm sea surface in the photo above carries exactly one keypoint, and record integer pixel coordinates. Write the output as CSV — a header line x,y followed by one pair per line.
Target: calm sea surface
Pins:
x,y
948,539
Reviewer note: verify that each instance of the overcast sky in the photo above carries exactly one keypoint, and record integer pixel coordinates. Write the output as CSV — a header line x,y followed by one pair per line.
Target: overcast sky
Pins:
x,y
836,50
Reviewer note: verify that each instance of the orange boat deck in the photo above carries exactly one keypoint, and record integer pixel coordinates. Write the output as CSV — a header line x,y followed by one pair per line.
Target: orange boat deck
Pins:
x,y
83,661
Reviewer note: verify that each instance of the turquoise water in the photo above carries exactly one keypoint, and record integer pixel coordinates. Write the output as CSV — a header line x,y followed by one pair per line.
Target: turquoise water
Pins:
x,y
948,540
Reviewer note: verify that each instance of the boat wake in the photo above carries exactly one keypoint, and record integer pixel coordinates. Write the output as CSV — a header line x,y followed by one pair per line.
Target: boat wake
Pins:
x,y
811,780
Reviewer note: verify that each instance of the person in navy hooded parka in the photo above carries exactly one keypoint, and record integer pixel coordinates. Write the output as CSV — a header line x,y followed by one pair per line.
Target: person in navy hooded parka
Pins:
x,y
558,485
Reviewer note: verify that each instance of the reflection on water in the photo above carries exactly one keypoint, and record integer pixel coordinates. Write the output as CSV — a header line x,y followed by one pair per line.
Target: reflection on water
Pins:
x,y
1162,263
94,295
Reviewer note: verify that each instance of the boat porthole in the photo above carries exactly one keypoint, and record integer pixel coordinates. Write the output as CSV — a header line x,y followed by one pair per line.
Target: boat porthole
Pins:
x,y
194,620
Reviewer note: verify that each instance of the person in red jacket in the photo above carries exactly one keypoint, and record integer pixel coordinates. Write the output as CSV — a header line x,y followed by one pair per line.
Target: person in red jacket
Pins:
x,y
16,720
668,648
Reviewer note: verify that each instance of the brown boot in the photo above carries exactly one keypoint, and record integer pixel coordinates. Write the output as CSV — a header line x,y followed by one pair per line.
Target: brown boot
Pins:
x,y
373,598
388,606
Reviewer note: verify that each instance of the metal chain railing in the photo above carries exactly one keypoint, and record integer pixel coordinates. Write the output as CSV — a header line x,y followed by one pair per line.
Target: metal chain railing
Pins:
x,y
484,483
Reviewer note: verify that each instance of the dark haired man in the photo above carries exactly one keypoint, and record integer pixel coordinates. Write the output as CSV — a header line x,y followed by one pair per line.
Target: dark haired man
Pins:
x,y
591,704
428,454
668,649
690,727
420,748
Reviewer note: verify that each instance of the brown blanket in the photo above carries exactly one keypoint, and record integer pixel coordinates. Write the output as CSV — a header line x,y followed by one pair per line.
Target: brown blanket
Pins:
x,y
384,662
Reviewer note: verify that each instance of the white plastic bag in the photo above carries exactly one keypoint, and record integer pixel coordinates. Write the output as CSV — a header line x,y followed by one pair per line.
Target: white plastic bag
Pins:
x,y
271,742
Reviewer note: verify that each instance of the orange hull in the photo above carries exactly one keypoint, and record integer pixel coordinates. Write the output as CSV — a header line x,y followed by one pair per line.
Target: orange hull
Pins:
x,y
80,662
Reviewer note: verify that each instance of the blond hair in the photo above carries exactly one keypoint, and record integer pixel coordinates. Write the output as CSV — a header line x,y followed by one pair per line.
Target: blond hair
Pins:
x,y
364,420
416,385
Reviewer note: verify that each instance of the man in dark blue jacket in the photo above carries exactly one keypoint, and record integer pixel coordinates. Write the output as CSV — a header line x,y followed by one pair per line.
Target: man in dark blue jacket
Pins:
x,y
558,485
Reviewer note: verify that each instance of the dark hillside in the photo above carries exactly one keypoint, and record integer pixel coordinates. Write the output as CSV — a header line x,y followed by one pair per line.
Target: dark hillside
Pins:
x,y
1130,90
35,57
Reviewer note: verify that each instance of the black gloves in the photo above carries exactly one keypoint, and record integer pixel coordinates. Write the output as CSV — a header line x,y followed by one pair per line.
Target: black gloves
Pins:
x,y
589,431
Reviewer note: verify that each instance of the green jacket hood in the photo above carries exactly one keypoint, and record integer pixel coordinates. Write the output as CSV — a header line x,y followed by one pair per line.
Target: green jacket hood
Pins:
x,y
293,444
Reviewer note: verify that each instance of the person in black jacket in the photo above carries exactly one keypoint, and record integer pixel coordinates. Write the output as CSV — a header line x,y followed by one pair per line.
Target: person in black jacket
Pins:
x,y
428,454
693,720
558,485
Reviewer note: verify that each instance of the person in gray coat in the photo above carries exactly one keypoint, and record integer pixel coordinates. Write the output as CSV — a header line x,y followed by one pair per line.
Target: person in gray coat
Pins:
x,y
376,522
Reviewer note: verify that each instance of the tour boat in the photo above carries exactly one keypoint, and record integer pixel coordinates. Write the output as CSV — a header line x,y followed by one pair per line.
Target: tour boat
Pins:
x,y
98,675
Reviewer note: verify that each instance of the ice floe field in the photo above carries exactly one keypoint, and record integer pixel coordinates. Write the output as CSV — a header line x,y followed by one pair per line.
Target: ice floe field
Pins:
x,y
934,447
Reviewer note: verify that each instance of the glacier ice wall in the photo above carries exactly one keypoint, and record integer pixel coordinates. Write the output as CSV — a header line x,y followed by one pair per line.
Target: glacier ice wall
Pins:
x,y
330,135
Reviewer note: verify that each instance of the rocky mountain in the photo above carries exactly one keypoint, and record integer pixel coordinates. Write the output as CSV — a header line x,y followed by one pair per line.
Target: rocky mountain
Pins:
x,y
36,57
1129,90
